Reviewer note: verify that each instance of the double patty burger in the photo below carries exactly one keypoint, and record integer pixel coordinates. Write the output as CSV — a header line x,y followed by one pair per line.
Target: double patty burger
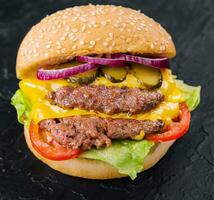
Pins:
x,y
97,97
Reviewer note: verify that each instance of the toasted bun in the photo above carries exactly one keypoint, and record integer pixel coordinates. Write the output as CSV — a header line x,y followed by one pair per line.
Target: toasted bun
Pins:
x,y
94,169
87,30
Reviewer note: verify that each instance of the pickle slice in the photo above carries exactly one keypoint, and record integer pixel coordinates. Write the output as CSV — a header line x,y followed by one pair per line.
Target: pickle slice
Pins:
x,y
150,77
84,78
114,74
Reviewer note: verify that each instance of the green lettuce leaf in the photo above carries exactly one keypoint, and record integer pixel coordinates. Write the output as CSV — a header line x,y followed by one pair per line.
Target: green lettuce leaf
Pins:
x,y
126,155
191,94
22,105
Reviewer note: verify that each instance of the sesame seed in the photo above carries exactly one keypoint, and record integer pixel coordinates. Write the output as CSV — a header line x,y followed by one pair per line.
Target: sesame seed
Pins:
x,y
83,28
123,37
110,35
152,46
163,48
58,43
120,18
74,47
82,42
70,35
92,42
55,31
35,54
74,39
77,14
74,18
103,23
63,50
59,47
163,42
108,39
48,46
93,13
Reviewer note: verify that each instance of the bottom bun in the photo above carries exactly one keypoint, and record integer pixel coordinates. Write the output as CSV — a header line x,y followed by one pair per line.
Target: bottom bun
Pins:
x,y
94,169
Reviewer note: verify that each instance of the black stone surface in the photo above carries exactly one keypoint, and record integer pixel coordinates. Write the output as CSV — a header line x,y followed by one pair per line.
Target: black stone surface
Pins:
x,y
186,172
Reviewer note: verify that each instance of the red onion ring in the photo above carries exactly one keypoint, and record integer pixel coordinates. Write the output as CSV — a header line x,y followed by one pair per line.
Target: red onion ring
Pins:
x,y
151,62
49,74
102,61
122,59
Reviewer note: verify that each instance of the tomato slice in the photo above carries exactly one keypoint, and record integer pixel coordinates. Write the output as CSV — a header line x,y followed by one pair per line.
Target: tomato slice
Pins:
x,y
176,129
46,146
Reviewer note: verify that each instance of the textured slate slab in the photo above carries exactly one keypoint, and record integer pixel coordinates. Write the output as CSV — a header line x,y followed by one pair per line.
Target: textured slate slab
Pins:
x,y
186,172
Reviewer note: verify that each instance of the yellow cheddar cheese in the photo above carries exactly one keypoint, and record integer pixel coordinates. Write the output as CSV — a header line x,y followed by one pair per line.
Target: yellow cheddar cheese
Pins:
x,y
36,90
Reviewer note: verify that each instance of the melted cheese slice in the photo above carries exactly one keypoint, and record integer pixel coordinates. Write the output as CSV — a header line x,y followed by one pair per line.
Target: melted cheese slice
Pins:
x,y
36,90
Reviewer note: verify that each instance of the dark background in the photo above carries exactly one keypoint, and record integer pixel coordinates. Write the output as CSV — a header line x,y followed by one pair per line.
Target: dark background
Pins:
x,y
186,172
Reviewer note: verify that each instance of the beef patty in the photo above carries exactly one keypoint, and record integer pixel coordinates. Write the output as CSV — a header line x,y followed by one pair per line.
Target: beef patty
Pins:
x,y
110,100
80,132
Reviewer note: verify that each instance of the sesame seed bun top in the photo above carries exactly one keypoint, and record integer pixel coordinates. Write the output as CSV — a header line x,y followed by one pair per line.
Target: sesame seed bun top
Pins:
x,y
91,29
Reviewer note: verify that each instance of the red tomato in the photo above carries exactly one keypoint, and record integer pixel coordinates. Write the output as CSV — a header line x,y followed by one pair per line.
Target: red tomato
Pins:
x,y
46,146
176,129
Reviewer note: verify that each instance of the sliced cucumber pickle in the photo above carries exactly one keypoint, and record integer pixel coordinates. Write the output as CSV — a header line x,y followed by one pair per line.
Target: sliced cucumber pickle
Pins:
x,y
150,77
84,78
114,74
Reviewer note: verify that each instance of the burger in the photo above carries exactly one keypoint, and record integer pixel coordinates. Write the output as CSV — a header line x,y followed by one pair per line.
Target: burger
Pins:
x,y
96,94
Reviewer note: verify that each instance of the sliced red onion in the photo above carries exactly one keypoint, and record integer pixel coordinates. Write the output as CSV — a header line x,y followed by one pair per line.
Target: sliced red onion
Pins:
x,y
102,61
122,59
152,62
49,74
